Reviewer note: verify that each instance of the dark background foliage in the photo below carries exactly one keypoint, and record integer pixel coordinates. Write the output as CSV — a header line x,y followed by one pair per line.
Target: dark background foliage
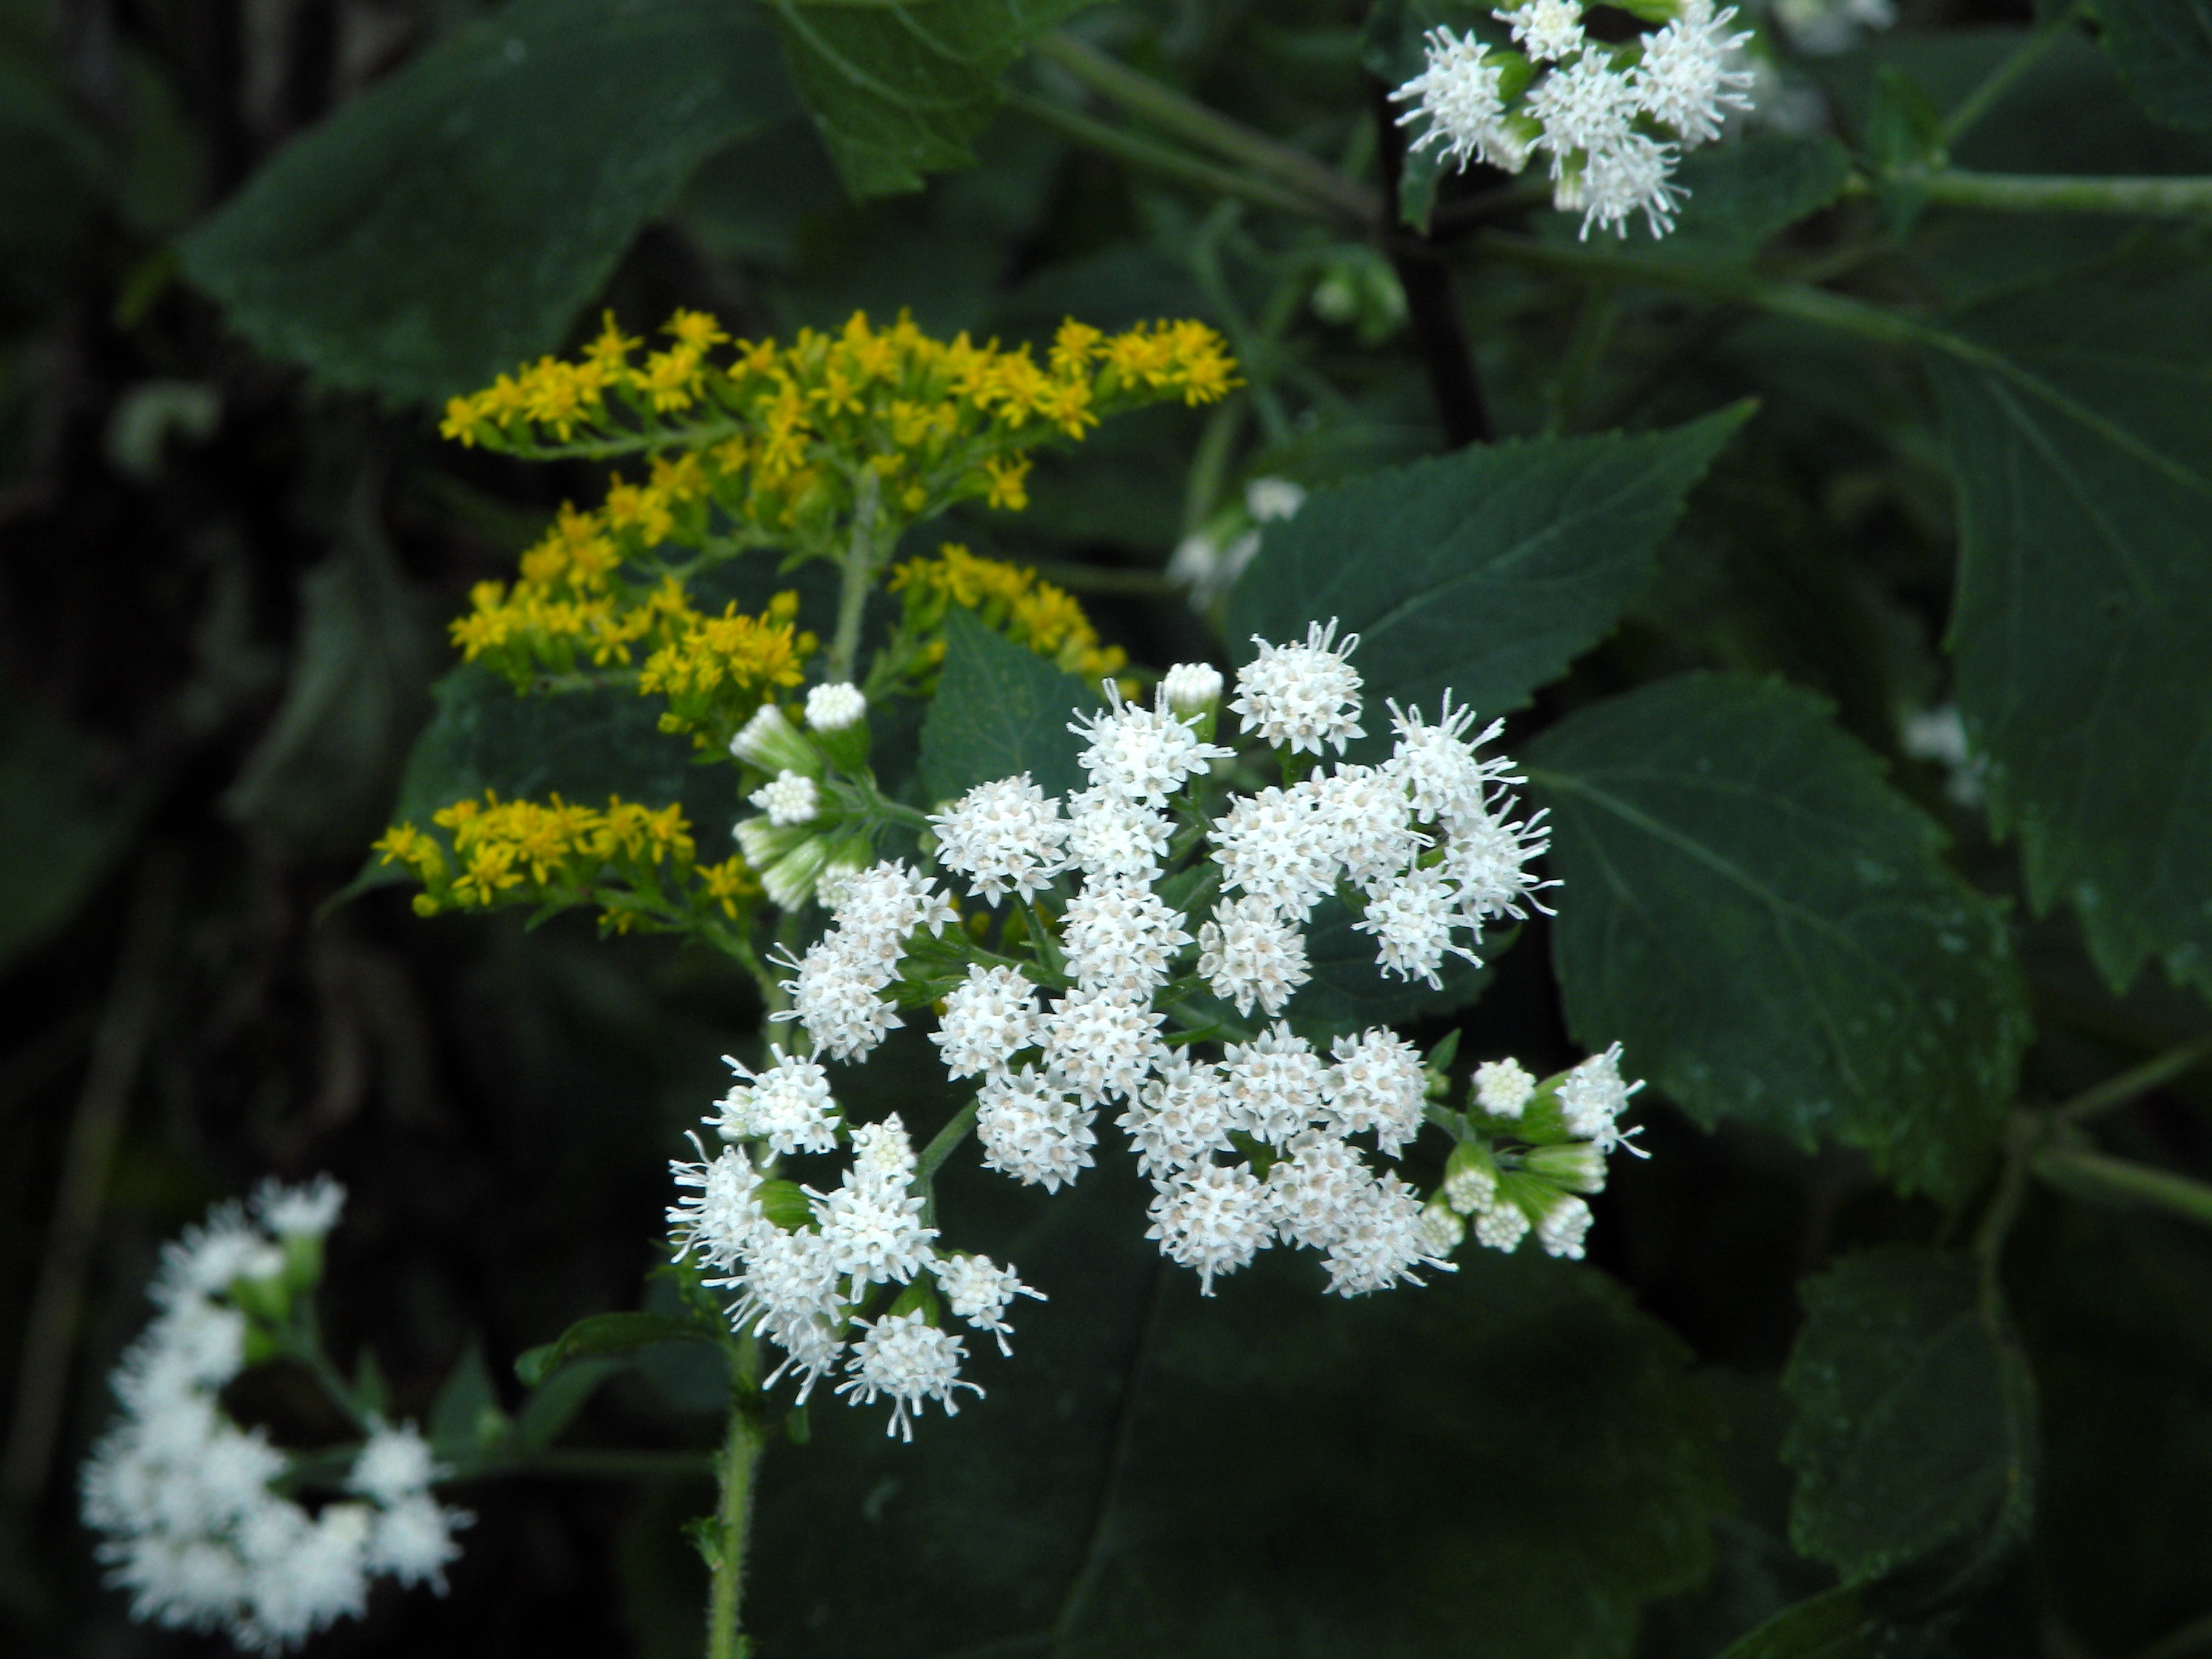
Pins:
x,y
231,538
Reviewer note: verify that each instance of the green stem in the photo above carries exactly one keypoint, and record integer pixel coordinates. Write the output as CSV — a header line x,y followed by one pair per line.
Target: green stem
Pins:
x,y
2020,1137
2135,1081
859,575
1101,579
733,1468
942,1143
2019,193
2097,1173
1156,157
1999,81
1210,465
1190,119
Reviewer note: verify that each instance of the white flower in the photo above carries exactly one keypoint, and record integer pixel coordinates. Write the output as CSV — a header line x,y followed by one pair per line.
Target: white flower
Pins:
x,y
1112,837
1546,29
1500,1225
905,1357
1592,1098
988,1017
1248,953
1192,688
1274,1084
1006,835
1412,920
879,907
1100,1044
209,1257
1821,28
303,1575
1318,1190
1377,1082
1382,1241
1443,777
1030,1130
1214,1218
788,798
788,1106
1627,175
1363,811
305,1211
1564,1227
1270,501
1441,1228
980,1291
413,1540
1141,755
1501,1087
1456,94
835,708
1302,695
1487,859
833,995
1179,1118
393,1464
1121,936
883,1155
1202,563
1583,106
871,1225
1684,79
1275,846
720,1225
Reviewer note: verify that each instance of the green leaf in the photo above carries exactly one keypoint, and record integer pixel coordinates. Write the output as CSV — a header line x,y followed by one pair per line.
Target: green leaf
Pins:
x,y
466,1418
1349,993
1839,1624
553,1405
1915,1428
606,1334
2163,49
1743,191
898,91
1512,1449
2083,619
1000,708
1770,930
1484,572
451,221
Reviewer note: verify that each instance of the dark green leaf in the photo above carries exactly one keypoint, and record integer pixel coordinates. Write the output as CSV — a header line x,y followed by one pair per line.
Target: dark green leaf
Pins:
x,y
1770,930
608,1333
466,1416
1486,572
451,221
62,825
1839,1624
1511,1450
2083,620
2164,50
553,1405
1914,1433
1001,709
898,91
1743,191
1348,992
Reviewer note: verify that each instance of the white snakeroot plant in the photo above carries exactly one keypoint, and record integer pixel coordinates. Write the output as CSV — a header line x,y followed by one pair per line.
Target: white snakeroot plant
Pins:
x,y
188,1504
1610,120
1138,950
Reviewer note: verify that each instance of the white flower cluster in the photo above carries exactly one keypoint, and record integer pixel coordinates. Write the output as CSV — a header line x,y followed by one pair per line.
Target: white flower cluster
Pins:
x,y
193,1527
1612,121
1579,1127
805,1277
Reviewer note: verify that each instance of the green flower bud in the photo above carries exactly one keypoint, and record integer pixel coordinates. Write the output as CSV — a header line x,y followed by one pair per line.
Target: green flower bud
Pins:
x,y
1575,1165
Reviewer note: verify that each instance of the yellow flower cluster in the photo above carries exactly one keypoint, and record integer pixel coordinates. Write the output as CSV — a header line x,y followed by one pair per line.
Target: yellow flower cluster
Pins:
x,y
624,858
718,670
776,435
1008,597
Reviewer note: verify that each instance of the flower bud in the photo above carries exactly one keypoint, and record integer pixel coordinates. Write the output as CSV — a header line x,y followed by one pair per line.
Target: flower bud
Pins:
x,y
1470,1177
773,744
789,798
1441,1228
764,841
838,716
791,880
1192,691
1575,1165
1501,1087
1560,1219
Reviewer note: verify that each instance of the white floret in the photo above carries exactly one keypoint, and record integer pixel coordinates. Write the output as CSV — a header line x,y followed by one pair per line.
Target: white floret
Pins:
x,y
1180,1117
835,708
1101,1044
1248,953
1382,1242
1378,1082
1212,1217
788,798
1119,935
1142,755
788,1106
1006,836
1030,1130
1301,697
989,1017
976,1289
904,1356
1273,1085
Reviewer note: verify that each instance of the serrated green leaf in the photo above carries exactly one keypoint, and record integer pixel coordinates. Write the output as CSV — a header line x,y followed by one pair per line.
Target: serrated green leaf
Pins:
x,y
1512,1450
451,221
1484,572
2083,619
899,91
1000,708
1741,192
1769,929
1914,1437
608,1334
2163,49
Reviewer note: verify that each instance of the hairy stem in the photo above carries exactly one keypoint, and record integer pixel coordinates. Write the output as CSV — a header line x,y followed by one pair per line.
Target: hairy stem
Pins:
x,y
2081,1170
733,1469
1190,119
2019,193
861,557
